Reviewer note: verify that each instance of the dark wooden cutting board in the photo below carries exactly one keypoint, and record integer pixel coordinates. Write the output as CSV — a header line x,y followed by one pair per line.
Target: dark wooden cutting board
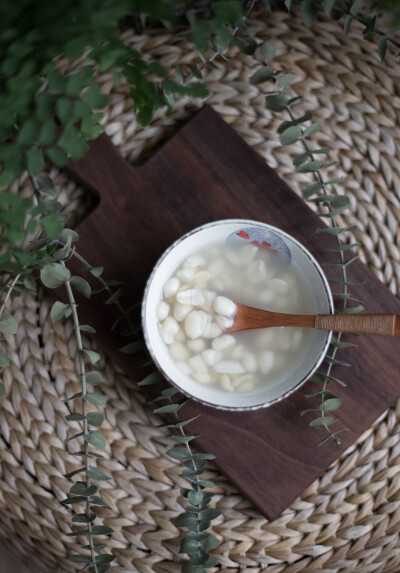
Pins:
x,y
204,173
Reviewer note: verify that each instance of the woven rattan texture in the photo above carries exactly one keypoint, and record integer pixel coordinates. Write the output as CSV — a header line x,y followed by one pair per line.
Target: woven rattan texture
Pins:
x,y
349,520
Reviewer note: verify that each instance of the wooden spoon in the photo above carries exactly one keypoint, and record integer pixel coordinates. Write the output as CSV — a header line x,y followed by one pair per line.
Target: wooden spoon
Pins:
x,y
248,318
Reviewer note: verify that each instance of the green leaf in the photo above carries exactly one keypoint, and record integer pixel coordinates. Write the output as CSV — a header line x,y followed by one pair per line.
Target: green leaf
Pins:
x,y
73,500
206,483
64,108
311,189
92,355
195,71
330,405
168,409
54,275
96,474
327,6
347,22
153,378
228,12
288,4
351,309
93,377
101,530
268,51
291,135
96,399
114,297
104,558
84,518
57,156
186,520
35,159
75,417
95,439
284,81
309,167
211,542
356,7
96,271
382,47
8,324
72,142
336,230
277,102
2,390
94,98
80,558
308,12
81,285
87,328
185,439
52,225
178,453
312,129
323,421
132,348
195,497
262,75
95,418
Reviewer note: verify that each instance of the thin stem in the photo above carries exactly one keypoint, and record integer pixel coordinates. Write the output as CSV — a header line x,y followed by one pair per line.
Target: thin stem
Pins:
x,y
36,188
8,294
82,375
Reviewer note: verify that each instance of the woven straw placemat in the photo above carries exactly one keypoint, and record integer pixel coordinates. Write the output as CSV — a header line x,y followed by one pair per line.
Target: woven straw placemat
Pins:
x,y
349,519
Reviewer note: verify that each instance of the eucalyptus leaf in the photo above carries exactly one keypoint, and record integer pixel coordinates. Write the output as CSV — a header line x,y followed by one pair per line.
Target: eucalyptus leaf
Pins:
x,y
92,355
178,453
54,275
59,310
322,422
2,390
84,518
132,347
81,285
382,47
101,530
309,167
93,377
95,418
8,324
330,405
284,81
262,75
314,128
291,135
195,497
95,399
168,409
277,102
97,474
268,51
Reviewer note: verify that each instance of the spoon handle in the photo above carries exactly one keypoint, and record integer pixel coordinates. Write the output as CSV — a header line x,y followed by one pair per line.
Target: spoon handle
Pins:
x,y
383,324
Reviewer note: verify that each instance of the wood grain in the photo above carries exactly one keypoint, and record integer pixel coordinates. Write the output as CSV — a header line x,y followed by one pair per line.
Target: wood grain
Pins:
x,y
249,318
204,173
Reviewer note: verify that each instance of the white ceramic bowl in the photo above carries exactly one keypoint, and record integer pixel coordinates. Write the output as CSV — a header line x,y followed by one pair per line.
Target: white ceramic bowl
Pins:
x,y
174,256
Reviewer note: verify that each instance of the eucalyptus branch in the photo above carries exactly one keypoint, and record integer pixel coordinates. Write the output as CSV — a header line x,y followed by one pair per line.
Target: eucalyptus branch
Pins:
x,y
196,542
82,376
307,162
54,275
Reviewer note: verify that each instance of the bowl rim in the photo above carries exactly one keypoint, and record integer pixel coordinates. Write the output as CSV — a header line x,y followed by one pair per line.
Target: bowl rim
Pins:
x,y
250,222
